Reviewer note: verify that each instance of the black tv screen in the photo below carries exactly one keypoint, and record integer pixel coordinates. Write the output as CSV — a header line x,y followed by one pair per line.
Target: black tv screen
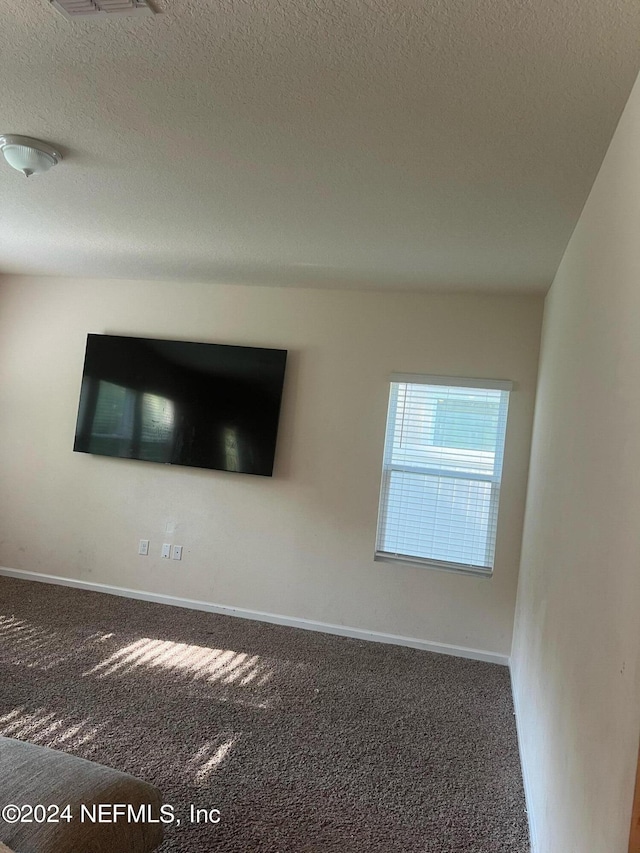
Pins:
x,y
181,403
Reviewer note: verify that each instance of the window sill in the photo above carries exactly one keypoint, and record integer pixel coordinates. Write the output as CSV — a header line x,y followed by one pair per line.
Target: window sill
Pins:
x,y
438,565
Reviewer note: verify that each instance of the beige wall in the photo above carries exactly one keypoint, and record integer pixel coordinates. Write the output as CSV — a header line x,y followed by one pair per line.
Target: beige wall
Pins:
x,y
300,544
576,653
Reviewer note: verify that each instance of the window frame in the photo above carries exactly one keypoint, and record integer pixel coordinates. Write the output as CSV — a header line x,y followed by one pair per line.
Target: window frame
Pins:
x,y
388,467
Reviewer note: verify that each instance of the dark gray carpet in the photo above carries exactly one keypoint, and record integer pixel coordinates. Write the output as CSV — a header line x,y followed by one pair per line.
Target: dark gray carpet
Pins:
x,y
305,742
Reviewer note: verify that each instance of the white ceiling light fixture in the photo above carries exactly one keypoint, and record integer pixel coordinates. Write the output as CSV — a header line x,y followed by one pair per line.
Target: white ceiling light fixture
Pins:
x,y
99,8
27,155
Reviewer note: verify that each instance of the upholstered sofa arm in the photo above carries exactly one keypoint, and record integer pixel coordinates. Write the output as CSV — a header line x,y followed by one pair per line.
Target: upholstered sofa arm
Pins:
x,y
32,774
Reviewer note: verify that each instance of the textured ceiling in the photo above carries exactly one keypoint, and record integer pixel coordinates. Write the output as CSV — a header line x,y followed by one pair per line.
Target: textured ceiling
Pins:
x,y
391,143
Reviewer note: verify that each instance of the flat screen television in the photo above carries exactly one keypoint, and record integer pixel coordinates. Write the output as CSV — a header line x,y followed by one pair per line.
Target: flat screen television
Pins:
x,y
181,403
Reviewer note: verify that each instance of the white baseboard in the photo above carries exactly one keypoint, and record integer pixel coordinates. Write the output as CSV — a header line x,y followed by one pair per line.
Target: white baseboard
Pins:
x,y
291,621
525,774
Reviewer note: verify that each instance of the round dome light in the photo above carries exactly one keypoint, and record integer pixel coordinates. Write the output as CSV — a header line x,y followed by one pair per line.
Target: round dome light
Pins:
x,y
27,155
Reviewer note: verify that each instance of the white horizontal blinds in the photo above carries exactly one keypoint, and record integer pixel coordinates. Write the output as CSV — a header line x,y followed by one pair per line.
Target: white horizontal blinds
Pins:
x,y
114,411
442,470
157,418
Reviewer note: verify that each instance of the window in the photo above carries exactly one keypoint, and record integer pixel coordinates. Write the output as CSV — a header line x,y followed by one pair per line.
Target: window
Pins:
x,y
441,471
124,418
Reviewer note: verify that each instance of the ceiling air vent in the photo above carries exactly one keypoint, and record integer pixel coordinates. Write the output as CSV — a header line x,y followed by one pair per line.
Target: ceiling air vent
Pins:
x,y
100,8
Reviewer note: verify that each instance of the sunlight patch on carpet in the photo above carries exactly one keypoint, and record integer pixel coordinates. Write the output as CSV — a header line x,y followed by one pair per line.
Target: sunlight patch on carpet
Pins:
x,y
209,757
200,662
41,726
32,644
25,644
